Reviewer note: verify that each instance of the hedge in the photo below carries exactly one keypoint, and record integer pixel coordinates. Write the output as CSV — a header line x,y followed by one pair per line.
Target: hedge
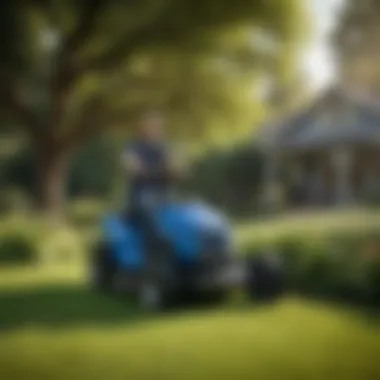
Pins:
x,y
27,241
16,248
338,261
18,241
339,266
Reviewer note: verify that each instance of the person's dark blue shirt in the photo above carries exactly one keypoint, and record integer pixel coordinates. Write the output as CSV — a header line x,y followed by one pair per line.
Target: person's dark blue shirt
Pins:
x,y
153,154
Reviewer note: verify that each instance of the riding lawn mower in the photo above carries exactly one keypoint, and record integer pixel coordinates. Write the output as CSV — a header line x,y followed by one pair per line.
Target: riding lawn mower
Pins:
x,y
190,255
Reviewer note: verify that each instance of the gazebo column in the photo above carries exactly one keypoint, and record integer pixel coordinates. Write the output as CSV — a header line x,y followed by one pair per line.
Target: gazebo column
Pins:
x,y
270,178
342,163
370,175
317,185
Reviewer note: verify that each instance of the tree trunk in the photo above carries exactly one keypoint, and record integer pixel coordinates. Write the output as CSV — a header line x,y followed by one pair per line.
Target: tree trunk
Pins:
x,y
52,166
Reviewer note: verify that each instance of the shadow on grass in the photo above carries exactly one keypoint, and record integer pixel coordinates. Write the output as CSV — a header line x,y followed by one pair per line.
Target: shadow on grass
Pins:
x,y
63,306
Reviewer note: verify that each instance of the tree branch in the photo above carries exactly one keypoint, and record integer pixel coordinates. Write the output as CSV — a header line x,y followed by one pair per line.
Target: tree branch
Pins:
x,y
129,43
67,72
95,118
10,99
91,122
88,13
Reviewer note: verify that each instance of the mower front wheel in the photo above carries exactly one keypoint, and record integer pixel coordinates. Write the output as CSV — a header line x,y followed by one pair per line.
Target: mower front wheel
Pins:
x,y
151,296
158,289
103,269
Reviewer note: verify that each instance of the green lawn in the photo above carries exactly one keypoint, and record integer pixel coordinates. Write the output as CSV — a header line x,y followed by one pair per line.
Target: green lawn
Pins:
x,y
52,327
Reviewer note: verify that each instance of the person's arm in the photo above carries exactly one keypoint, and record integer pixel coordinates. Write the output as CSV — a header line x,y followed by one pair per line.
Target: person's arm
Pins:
x,y
176,163
131,163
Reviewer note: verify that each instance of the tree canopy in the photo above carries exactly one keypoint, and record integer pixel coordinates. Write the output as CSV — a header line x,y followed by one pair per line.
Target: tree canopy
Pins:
x,y
71,69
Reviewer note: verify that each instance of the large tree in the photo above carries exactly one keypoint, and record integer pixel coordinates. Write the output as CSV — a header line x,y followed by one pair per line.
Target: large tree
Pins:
x,y
70,69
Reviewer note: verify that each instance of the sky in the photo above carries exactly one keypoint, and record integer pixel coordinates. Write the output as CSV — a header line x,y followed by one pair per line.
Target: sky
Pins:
x,y
318,59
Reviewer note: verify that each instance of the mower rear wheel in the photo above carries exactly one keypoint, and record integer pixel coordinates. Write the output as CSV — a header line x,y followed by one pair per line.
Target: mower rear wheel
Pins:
x,y
265,278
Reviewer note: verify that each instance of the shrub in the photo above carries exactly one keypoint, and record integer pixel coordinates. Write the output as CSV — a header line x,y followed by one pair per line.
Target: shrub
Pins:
x,y
373,281
13,200
372,194
336,266
16,248
61,245
24,240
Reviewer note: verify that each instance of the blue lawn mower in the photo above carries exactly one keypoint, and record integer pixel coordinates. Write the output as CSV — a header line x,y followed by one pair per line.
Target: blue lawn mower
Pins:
x,y
191,256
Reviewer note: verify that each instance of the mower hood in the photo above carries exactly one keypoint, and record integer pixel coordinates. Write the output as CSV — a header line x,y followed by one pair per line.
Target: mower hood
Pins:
x,y
189,224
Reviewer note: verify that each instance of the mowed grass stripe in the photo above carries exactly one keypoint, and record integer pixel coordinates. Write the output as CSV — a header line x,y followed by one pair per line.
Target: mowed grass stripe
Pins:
x,y
292,340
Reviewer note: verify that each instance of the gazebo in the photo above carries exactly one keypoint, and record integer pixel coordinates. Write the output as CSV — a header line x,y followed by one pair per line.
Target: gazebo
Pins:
x,y
330,150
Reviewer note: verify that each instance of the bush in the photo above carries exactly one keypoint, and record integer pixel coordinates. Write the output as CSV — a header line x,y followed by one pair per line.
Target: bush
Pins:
x,y
372,194
25,240
19,238
342,267
61,245
373,281
13,200
16,249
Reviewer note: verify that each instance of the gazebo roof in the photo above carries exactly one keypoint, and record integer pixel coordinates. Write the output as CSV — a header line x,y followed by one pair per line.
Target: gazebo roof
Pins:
x,y
336,117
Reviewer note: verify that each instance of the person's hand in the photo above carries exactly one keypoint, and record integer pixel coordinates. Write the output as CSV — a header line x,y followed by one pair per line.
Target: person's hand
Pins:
x,y
132,165
177,168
